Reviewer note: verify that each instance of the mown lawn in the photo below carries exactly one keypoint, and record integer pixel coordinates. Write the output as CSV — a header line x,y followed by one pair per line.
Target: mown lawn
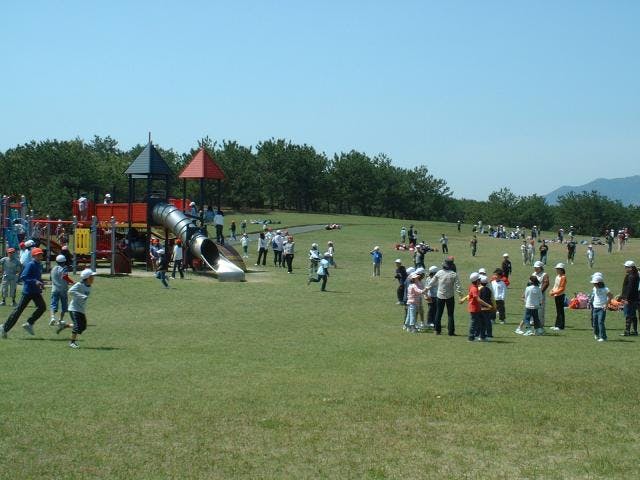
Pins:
x,y
274,379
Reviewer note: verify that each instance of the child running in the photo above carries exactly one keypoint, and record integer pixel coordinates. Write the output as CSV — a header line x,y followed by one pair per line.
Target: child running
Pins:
x,y
78,306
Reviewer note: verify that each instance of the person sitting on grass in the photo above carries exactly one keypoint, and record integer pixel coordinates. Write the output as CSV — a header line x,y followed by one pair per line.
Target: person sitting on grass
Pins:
x,y
78,306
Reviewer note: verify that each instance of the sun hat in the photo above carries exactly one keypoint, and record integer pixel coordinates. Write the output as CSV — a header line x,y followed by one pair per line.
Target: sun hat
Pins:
x,y
629,263
414,275
484,279
559,265
597,278
433,269
420,271
505,254
86,273
410,270
61,259
397,260
482,270
538,264
475,276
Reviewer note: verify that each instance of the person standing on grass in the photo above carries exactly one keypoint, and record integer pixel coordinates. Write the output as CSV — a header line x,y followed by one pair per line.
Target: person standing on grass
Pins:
x,y
557,292
243,226
474,307
32,288
218,221
289,252
177,257
431,295
488,312
414,300
591,256
403,235
444,243
506,265
376,257
11,268
447,283
322,272
314,258
262,249
532,302
629,298
277,243
60,282
543,283
401,276
524,252
600,298
78,307
244,242
571,251
233,230
499,293
474,245
544,250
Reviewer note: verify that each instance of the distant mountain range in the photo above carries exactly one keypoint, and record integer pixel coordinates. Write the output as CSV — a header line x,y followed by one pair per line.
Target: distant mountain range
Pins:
x,y
627,190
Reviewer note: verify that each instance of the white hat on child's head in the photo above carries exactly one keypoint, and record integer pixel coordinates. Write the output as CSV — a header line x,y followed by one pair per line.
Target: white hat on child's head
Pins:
x,y
86,273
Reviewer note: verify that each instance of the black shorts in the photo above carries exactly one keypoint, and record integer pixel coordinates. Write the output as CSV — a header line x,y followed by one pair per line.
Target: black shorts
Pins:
x,y
79,322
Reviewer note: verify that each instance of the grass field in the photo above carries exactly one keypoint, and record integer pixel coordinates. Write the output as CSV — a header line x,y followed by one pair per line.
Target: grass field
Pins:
x,y
273,379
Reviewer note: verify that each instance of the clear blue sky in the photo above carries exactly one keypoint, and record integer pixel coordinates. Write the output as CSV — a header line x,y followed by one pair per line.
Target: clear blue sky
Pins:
x,y
486,94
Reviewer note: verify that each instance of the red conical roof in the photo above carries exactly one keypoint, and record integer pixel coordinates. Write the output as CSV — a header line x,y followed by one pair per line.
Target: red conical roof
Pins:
x,y
202,166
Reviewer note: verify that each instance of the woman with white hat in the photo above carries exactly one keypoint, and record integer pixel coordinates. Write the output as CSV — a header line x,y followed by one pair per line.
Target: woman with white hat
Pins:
x,y
557,292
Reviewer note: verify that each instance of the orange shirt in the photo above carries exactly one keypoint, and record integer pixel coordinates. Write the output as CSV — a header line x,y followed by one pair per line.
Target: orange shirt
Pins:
x,y
559,285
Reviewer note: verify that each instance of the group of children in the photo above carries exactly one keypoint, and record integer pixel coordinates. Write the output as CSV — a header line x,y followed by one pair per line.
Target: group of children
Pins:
x,y
33,286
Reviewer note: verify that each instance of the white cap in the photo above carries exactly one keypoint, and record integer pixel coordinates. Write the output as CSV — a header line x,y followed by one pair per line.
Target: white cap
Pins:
x,y
61,259
86,273
410,270
314,245
414,275
597,278
538,264
505,254
629,263
107,195
433,269
192,204
420,271
474,277
397,260
482,270
484,279
376,247
560,265
29,243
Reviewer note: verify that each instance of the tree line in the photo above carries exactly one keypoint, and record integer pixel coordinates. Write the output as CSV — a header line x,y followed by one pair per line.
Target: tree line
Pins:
x,y
278,174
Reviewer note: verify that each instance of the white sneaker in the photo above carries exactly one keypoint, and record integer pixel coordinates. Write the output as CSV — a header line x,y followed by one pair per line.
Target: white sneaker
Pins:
x,y
519,331
53,321
528,333
74,345
555,328
601,340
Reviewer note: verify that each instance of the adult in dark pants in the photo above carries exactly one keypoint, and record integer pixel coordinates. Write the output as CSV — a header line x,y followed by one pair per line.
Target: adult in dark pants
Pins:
x,y
401,276
629,298
447,283
31,277
557,292
506,265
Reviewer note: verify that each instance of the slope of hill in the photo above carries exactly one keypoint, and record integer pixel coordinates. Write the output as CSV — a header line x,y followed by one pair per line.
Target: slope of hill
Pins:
x,y
626,189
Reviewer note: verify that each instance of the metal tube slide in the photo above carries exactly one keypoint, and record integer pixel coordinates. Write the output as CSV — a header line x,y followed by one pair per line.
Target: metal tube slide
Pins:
x,y
200,246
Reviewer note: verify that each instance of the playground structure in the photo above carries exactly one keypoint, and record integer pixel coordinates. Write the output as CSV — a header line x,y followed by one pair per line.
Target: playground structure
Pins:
x,y
121,232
